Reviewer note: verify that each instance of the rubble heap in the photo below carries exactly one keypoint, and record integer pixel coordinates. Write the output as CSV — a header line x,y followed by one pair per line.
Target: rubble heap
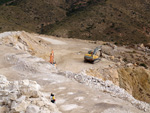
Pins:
x,y
23,97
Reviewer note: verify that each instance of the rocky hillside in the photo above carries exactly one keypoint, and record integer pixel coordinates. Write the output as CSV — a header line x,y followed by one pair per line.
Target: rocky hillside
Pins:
x,y
122,22
30,15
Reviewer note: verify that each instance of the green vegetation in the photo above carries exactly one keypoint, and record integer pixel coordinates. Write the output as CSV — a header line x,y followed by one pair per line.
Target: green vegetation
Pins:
x,y
118,21
5,1
105,21
144,65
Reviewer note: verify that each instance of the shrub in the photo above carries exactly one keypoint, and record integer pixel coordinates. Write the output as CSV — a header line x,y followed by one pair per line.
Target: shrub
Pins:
x,y
144,65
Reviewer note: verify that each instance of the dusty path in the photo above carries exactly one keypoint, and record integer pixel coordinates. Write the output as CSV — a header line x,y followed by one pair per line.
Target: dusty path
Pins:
x,y
71,97
68,53
52,41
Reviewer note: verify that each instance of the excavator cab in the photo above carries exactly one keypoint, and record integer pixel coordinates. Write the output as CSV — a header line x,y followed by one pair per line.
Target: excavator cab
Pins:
x,y
93,56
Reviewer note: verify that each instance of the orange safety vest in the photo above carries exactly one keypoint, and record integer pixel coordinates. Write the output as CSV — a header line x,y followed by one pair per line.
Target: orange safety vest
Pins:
x,y
52,57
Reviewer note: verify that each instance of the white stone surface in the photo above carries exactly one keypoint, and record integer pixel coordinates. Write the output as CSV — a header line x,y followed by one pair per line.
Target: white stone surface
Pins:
x,y
32,109
79,98
69,107
24,97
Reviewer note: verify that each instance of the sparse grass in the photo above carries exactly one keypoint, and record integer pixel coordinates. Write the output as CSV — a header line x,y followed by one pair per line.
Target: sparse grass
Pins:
x,y
108,20
95,20
29,15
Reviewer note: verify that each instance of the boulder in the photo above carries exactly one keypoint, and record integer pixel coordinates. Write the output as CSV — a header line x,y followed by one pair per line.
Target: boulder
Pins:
x,y
4,92
5,100
22,98
32,109
21,106
13,105
12,96
3,81
142,46
29,88
129,65
30,93
15,86
3,109
24,83
34,85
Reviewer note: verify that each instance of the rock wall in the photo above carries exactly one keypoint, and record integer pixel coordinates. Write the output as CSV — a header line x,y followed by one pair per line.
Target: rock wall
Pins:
x,y
23,97
135,80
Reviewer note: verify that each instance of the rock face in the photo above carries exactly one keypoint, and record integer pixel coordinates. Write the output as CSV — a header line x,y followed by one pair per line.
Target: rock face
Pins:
x,y
136,80
105,74
23,96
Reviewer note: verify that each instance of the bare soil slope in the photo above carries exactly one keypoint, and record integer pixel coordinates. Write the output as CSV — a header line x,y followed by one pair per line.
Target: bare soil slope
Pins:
x,y
71,97
136,81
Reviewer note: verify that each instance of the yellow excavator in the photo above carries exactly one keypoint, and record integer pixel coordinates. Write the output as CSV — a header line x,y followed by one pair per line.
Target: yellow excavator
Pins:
x,y
93,56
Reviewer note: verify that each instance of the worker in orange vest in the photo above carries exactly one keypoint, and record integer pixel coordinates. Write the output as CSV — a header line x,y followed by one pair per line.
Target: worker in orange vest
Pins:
x,y
52,57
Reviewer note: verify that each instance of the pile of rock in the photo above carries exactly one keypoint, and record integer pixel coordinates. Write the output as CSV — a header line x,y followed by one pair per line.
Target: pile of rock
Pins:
x,y
23,97
113,46
14,39
145,48
25,62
